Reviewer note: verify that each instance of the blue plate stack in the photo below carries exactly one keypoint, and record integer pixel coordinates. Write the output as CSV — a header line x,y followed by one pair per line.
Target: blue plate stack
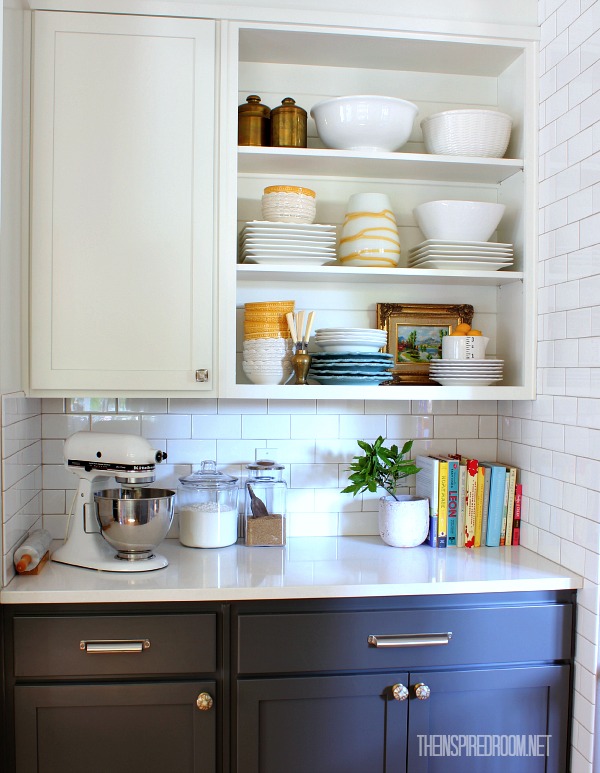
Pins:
x,y
366,368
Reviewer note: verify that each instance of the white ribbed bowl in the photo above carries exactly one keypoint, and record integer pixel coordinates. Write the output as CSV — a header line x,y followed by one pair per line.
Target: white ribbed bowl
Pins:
x,y
467,133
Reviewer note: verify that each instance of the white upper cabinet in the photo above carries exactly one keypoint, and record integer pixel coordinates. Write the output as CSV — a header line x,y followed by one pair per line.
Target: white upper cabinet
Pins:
x,y
122,265
437,72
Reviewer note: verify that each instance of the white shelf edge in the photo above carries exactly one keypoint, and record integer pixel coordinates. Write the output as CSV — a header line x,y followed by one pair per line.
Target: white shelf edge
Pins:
x,y
408,392
322,162
350,274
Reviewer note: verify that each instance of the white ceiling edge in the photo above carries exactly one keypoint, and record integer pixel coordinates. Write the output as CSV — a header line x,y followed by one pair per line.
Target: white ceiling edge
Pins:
x,y
506,18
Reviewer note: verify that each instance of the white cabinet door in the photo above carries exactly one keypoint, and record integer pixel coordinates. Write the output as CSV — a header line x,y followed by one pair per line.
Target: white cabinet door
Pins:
x,y
122,243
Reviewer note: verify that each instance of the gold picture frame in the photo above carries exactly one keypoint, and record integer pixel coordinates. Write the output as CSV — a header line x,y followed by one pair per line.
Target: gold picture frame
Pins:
x,y
413,331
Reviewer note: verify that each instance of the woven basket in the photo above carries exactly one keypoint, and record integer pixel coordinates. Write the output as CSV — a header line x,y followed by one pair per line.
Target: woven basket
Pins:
x,y
467,133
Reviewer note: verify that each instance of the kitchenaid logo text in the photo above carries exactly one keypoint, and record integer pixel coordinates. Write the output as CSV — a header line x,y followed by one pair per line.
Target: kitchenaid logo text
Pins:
x,y
484,745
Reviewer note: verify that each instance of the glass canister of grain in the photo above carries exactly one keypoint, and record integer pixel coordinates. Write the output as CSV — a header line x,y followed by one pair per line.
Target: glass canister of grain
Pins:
x,y
265,507
207,501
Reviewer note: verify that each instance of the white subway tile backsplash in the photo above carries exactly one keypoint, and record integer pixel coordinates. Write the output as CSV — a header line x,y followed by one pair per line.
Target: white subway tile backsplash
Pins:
x,y
222,426
242,406
170,426
62,425
362,427
318,427
340,406
269,427
194,451
131,425
292,406
315,476
192,405
411,427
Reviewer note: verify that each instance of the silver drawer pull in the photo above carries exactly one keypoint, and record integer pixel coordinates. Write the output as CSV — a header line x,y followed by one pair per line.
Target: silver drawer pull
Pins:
x,y
114,646
410,639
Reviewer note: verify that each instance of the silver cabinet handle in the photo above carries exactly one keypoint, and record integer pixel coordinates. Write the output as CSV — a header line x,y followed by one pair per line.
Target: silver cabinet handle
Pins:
x,y
410,639
114,646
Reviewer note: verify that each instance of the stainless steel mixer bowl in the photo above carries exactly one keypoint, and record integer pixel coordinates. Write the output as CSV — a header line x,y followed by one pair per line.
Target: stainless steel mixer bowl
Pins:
x,y
134,521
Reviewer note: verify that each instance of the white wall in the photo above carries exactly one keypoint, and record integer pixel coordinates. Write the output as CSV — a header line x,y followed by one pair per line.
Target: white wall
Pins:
x,y
555,439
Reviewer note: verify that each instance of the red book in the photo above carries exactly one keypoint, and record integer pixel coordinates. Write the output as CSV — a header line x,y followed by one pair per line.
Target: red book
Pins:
x,y
516,535
470,506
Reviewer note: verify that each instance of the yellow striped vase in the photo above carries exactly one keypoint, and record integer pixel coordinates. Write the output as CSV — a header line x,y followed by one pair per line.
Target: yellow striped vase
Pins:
x,y
369,234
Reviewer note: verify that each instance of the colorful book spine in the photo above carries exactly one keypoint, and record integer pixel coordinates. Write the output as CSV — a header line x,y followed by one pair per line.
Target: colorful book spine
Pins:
x,y
427,481
516,535
479,505
486,504
471,495
504,510
453,466
443,504
462,500
510,508
496,504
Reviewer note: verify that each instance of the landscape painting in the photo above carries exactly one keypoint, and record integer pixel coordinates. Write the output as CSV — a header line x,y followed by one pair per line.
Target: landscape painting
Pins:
x,y
414,335
419,344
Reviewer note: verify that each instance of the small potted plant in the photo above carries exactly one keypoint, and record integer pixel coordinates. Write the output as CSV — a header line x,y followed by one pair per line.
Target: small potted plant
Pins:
x,y
403,519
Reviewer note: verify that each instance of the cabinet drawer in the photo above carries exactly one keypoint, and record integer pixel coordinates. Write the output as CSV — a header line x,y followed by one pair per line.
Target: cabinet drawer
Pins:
x,y
339,641
113,645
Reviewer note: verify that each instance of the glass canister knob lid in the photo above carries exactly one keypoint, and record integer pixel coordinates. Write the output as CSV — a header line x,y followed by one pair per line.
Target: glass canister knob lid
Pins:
x,y
208,477
264,466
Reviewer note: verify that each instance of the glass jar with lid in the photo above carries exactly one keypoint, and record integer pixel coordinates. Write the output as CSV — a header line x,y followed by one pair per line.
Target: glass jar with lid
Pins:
x,y
265,507
207,502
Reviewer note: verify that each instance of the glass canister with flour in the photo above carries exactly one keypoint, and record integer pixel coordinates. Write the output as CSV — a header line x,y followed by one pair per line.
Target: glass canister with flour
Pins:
x,y
207,502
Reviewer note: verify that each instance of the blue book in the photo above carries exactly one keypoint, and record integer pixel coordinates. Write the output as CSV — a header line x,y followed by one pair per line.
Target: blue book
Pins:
x,y
496,503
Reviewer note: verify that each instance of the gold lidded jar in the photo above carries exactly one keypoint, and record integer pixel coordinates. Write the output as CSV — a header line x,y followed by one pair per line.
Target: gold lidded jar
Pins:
x,y
254,124
288,125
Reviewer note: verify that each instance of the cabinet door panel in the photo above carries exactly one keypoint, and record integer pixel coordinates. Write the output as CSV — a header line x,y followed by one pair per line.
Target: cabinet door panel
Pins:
x,y
122,191
479,708
118,728
321,725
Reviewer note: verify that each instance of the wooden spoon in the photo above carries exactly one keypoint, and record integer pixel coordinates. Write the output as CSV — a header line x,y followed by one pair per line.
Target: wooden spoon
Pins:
x,y
257,506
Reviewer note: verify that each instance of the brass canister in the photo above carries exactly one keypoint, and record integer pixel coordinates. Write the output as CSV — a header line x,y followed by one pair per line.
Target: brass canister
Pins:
x,y
288,125
254,125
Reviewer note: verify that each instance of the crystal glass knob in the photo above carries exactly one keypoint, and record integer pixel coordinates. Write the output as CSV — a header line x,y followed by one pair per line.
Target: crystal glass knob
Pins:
x,y
204,701
400,692
422,691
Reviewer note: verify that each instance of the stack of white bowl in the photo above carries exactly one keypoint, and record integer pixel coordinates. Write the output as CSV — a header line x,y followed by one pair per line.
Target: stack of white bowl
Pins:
x,y
267,347
350,339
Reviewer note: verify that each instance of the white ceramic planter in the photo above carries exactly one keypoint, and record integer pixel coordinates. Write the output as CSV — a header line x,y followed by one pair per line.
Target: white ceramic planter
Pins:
x,y
403,523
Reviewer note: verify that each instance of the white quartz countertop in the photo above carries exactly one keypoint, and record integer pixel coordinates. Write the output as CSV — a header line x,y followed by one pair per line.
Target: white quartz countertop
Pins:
x,y
307,567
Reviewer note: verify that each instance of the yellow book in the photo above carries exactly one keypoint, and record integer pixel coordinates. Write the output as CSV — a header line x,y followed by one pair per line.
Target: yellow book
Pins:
x,y
443,505
479,505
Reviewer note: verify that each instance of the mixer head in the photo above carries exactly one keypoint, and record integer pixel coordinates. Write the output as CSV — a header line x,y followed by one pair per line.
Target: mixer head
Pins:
x,y
129,458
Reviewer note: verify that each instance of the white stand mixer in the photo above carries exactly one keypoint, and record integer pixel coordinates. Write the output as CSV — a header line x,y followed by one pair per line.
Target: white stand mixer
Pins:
x,y
130,459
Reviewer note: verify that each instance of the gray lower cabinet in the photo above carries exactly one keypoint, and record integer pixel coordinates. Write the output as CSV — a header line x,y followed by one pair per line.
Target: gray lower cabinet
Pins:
x,y
451,684
412,685
121,728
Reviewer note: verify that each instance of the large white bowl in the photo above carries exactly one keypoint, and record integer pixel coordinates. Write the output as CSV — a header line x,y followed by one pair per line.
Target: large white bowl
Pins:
x,y
468,221
364,122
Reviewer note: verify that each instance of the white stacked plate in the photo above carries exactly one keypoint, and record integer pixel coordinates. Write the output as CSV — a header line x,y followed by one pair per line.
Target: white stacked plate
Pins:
x,y
308,244
350,339
466,372
472,256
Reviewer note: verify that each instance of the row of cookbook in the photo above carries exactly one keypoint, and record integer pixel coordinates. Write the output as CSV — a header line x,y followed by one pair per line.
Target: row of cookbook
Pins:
x,y
471,503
